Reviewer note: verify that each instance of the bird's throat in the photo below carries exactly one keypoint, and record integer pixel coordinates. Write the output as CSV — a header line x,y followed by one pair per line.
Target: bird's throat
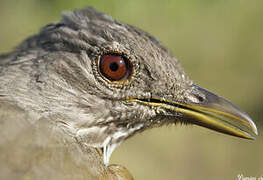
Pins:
x,y
107,137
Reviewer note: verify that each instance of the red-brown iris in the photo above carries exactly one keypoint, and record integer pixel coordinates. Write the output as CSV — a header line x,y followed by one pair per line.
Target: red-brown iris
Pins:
x,y
114,67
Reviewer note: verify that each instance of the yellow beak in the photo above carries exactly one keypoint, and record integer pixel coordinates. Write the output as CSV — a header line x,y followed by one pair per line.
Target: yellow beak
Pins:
x,y
214,112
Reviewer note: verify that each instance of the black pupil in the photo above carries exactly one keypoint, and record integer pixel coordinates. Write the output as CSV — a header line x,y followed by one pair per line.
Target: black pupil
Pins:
x,y
114,66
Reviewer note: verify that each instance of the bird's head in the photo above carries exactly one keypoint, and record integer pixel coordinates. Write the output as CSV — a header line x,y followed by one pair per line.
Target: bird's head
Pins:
x,y
105,80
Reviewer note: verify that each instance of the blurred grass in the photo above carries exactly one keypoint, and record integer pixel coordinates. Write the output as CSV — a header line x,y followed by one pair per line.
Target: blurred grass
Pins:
x,y
218,42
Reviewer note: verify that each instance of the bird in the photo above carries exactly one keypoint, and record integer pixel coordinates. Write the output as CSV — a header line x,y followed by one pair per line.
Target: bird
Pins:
x,y
72,93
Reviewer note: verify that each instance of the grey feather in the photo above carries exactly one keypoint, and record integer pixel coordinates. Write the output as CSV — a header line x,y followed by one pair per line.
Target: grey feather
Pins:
x,y
56,109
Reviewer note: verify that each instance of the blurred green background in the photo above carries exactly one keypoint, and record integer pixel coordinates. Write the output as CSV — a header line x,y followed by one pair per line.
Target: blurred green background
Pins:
x,y
220,45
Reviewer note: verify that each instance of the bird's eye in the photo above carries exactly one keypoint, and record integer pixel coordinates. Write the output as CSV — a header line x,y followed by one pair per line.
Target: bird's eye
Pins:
x,y
115,67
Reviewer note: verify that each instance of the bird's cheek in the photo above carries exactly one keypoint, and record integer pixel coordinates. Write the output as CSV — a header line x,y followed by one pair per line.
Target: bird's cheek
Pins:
x,y
138,112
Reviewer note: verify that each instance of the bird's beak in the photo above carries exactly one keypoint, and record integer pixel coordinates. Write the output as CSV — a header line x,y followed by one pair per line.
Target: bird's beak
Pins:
x,y
211,111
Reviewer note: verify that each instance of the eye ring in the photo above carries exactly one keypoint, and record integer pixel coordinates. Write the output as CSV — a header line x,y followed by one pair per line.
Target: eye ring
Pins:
x,y
115,67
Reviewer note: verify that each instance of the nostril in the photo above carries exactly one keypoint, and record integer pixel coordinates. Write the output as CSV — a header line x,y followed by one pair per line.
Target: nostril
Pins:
x,y
200,98
196,98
